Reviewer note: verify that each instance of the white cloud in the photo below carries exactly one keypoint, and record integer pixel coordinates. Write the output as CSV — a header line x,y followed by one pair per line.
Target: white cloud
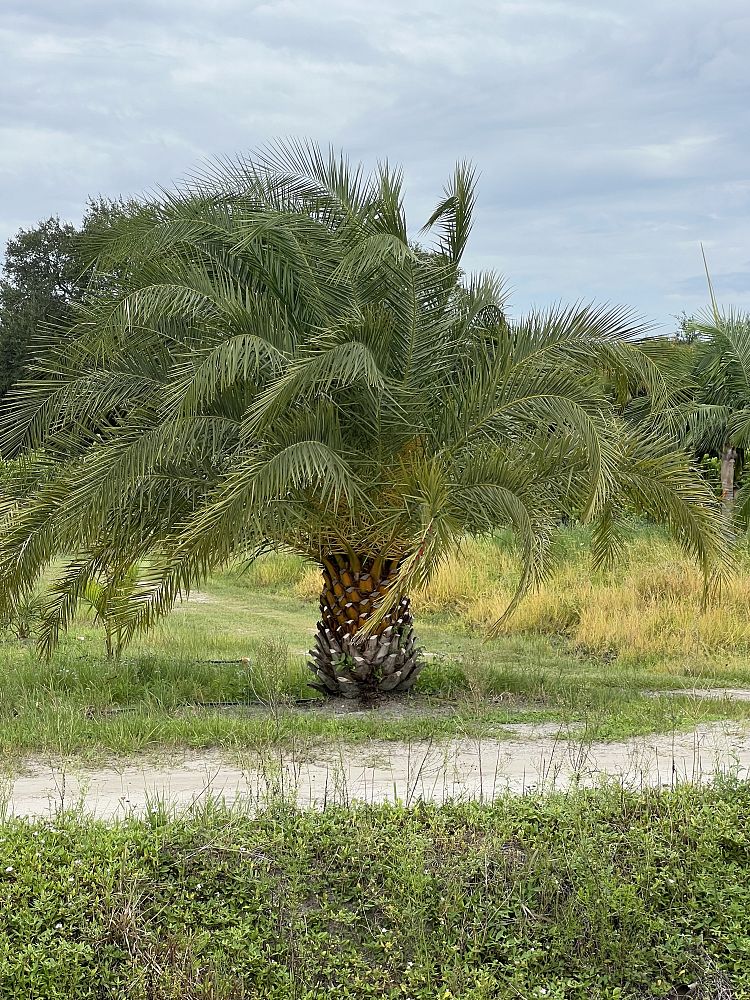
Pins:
x,y
611,139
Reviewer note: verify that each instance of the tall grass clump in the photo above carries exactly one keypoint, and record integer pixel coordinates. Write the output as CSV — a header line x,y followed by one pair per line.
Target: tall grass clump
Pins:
x,y
650,605
277,571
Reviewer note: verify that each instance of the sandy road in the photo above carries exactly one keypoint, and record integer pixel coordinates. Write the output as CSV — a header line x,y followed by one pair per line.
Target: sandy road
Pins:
x,y
532,758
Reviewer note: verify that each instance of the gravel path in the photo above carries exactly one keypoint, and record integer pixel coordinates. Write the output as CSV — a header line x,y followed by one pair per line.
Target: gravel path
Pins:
x,y
538,758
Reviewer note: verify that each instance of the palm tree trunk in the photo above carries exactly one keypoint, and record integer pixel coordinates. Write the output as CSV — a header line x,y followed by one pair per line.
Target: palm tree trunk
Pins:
x,y
345,664
728,459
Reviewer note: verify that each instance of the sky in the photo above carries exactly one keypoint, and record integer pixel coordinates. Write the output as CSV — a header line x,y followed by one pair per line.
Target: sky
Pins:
x,y
611,138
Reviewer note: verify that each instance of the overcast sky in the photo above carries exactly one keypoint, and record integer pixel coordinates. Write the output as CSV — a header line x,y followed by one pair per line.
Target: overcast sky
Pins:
x,y
612,136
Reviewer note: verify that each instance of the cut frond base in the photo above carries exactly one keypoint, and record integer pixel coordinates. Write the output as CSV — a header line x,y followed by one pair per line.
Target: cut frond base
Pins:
x,y
388,663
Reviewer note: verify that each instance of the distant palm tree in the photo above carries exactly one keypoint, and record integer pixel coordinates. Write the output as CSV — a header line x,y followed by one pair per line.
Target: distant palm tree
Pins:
x,y
283,367
717,417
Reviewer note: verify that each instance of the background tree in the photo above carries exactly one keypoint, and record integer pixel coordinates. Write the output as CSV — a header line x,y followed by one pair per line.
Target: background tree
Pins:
x,y
717,419
41,277
705,367
45,274
280,366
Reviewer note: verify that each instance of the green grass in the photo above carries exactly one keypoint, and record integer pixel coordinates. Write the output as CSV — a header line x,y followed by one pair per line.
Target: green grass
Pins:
x,y
590,895
225,668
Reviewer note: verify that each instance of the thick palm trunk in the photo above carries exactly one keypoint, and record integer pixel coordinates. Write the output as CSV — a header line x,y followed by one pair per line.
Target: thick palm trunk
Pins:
x,y
345,664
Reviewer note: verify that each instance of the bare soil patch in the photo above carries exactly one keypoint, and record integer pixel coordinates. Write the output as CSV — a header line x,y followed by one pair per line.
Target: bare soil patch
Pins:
x,y
712,694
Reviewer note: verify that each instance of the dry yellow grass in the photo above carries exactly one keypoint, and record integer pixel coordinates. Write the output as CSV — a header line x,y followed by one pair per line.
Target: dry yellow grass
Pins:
x,y
307,587
650,605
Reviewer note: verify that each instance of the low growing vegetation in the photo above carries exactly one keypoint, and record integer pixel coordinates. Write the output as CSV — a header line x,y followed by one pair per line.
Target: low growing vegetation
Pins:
x,y
590,895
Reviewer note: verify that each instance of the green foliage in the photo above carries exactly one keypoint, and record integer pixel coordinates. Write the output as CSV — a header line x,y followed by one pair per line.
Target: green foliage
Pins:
x,y
41,280
45,276
687,332
711,410
107,597
722,371
24,618
588,895
278,366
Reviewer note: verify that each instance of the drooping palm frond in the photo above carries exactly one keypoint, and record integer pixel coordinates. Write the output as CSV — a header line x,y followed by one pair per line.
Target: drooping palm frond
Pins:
x,y
280,364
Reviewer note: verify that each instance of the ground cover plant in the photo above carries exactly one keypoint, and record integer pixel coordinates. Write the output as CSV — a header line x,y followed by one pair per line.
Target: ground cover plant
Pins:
x,y
278,365
601,894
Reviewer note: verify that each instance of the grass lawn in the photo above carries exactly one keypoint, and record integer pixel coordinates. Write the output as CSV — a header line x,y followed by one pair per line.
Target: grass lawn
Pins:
x,y
226,667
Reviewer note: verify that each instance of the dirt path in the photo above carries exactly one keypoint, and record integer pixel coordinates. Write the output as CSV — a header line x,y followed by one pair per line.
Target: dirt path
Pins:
x,y
712,694
539,757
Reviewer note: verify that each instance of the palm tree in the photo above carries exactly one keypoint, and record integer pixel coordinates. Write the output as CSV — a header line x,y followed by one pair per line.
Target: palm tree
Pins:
x,y
283,367
107,597
718,418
